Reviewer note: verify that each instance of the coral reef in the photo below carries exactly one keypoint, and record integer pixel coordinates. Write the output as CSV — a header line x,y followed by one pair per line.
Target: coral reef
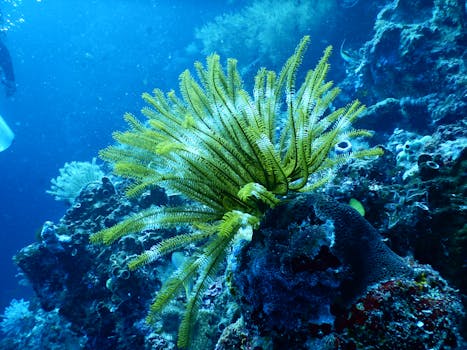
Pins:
x,y
419,313
408,153
69,275
303,295
422,215
314,274
27,326
291,284
413,70
91,293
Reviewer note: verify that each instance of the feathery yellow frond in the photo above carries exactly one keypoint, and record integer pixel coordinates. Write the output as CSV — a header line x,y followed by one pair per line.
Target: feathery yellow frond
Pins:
x,y
165,247
233,154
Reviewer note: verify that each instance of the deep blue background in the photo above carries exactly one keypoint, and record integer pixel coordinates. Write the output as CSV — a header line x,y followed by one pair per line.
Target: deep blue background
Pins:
x,y
79,66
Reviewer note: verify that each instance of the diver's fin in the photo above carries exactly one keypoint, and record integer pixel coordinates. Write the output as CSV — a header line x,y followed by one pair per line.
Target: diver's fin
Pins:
x,y
6,135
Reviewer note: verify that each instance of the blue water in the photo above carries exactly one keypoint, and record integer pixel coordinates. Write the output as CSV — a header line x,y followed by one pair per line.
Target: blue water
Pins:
x,y
79,66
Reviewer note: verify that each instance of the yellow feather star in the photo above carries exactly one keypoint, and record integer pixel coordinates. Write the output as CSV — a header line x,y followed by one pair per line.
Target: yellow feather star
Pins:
x,y
233,155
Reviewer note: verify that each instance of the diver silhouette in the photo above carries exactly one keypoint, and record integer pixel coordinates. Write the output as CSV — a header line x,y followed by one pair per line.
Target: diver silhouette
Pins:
x,y
6,66
8,79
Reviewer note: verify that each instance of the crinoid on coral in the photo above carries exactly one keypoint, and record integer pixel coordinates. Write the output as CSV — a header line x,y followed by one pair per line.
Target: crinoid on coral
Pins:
x,y
73,178
233,156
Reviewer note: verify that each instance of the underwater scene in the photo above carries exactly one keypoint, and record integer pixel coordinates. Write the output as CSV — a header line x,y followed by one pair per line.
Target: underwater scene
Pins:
x,y
233,174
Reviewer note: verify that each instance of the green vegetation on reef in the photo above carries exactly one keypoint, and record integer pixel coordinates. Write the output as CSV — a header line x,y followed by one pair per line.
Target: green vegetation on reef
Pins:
x,y
233,155
260,31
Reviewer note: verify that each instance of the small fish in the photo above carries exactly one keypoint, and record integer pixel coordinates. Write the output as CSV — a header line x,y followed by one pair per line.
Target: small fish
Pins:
x,y
249,67
352,57
345,55
347,3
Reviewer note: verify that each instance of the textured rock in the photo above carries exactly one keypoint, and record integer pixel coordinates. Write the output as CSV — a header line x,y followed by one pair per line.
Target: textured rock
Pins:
x,y
413,71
